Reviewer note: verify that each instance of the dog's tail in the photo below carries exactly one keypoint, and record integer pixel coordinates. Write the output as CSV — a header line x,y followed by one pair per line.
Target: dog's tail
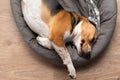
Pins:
x,y
32,15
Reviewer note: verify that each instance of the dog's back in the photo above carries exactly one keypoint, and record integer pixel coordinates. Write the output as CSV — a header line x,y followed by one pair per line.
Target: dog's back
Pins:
x,y
37,14
53,6
49,9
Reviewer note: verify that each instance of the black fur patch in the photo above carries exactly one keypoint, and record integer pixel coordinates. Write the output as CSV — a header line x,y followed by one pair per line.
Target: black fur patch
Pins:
x,y
53,5
74,21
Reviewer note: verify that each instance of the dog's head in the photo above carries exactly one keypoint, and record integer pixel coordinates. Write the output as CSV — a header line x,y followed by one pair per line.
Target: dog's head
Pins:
x,y
87,37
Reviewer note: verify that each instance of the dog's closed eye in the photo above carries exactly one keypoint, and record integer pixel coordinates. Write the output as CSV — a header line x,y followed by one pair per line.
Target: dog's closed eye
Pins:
x,y
93,40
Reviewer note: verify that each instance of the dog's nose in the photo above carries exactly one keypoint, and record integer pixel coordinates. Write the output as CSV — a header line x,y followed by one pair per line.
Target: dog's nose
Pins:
x,y
86,55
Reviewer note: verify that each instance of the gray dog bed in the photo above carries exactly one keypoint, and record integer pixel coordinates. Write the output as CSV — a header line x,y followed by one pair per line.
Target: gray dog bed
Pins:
x,y
108,13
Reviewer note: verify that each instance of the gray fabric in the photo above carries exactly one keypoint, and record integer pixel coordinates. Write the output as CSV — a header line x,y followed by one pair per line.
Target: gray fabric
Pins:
x,y
108,14
86,8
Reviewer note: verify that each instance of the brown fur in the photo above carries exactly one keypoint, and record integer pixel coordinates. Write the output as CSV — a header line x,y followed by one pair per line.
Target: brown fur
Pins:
x,y
58,26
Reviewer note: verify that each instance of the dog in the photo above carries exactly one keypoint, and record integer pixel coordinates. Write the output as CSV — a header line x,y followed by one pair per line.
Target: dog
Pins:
x,y
64,26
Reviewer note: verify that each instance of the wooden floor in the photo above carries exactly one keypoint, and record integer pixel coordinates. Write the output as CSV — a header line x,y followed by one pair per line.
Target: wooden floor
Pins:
x,y
19,62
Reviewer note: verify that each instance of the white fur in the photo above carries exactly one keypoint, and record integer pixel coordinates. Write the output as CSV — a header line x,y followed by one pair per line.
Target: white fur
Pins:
x,y
65,56
62,52
76,35
31,12
67,37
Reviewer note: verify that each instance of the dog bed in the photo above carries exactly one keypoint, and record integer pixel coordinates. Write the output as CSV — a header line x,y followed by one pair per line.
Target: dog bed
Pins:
x,y
108,14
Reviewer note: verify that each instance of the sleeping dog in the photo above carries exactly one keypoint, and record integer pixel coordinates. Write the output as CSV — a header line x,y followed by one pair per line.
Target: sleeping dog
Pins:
x,y
64,26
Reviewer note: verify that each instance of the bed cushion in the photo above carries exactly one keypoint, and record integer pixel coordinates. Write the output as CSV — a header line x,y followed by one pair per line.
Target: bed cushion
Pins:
x,y
108,14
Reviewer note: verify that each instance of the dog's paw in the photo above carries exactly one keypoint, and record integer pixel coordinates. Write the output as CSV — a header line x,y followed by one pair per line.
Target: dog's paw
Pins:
x,y
72,74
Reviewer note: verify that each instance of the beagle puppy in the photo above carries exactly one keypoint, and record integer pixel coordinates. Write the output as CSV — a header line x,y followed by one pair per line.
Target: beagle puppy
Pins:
x,y
64,27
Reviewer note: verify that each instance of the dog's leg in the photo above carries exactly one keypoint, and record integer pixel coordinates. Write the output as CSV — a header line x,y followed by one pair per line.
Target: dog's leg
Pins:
x,y
65,56
45,42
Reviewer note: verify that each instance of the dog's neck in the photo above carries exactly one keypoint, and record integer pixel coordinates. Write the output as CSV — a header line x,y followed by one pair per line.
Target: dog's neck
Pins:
x,y
76,35
77,31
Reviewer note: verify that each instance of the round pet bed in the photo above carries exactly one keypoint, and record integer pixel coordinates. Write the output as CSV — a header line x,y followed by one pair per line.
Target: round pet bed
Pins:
x,y
108,14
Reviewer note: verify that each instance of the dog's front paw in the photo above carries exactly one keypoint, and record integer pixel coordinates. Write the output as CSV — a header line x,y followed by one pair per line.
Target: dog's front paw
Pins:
x,y
72,74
